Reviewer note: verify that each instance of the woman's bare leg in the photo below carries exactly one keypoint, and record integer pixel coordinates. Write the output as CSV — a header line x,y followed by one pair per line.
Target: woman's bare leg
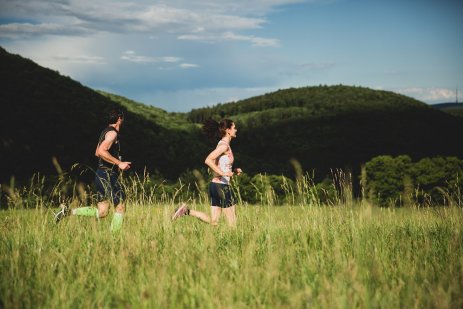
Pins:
x,y
230,215
200,215
215,215
213,219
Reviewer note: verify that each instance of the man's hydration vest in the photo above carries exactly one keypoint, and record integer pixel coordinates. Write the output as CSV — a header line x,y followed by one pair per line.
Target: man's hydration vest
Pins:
x,y
114,150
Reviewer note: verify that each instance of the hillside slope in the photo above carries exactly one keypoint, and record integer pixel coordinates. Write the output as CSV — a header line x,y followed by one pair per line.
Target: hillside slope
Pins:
x,y
329,127
47,115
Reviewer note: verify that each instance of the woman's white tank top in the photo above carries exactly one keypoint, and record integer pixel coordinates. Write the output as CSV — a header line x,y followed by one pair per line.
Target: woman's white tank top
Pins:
x,y
224,162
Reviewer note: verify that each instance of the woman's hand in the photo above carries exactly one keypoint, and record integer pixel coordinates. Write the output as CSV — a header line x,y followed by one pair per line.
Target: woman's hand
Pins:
x,y
227,174
238,171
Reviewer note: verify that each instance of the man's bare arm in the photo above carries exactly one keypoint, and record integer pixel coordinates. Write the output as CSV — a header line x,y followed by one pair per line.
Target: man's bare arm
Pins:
x,y
102,151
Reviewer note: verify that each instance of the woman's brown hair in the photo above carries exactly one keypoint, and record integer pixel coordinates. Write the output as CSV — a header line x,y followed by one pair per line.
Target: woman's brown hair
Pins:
x,y
216,129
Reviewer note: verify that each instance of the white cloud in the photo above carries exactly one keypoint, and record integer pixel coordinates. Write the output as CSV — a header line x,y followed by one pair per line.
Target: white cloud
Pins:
x,y
430,95
244,7
83,59
131,56
188,65
230,36
182,17
21,30
190,20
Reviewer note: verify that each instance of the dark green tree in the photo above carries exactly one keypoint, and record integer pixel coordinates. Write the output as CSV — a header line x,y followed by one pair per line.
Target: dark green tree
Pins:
x,y
385,178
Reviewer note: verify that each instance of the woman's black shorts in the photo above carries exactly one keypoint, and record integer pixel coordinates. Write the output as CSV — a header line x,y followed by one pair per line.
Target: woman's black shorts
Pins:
x,y
221,195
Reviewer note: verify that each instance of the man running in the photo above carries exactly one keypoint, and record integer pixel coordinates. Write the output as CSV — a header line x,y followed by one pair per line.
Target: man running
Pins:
x,y
110,165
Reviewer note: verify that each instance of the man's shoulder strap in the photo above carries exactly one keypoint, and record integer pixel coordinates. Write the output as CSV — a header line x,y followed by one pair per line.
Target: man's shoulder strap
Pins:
x,y
110,128
106,130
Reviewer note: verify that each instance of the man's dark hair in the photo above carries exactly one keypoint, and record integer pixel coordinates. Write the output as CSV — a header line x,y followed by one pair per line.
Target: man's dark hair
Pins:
x,y
114,114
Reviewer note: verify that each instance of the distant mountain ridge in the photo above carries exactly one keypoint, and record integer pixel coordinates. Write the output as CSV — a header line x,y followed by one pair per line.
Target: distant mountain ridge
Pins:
x,y
448,104
454,108
47,115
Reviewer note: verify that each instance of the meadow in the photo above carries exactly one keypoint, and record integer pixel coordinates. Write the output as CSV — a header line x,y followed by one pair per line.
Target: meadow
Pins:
x,y
351,255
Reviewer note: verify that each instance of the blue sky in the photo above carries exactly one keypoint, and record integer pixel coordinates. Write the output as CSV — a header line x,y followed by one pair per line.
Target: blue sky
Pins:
x,y
185,54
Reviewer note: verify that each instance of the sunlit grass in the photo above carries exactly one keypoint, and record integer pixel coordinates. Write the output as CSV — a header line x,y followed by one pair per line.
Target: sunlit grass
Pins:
x,y
355,256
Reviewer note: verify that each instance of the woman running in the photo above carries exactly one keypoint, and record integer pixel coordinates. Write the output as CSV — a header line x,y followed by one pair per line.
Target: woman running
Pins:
x,y
220,162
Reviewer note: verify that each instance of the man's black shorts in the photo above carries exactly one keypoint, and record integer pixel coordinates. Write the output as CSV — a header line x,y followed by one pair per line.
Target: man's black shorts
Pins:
x,y
108,186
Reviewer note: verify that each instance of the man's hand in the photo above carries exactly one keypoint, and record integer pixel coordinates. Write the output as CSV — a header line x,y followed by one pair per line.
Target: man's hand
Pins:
x,y
124,165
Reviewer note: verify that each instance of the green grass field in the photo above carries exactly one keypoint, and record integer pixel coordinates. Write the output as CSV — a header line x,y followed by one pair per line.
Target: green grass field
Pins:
x,y
288,256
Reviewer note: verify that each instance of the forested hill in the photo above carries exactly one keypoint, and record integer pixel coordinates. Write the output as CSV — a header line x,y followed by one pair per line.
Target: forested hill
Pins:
x,y
45,115
454,108
308,102
328,127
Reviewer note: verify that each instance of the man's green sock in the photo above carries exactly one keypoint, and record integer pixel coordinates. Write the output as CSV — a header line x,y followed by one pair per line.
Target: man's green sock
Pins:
x,y
116,224
85,212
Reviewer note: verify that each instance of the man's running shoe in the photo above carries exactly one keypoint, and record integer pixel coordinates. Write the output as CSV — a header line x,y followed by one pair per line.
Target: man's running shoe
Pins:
x,y
64,212
181,211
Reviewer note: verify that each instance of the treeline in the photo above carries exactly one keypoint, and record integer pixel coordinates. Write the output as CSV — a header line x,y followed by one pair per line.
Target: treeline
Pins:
x,y
398,181
385,181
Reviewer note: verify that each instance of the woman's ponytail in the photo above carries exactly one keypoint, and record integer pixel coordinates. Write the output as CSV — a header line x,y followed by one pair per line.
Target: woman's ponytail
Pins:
x,y
214,129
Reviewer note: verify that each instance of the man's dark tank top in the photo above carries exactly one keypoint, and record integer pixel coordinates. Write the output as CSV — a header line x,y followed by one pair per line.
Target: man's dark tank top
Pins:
x,y
114,150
